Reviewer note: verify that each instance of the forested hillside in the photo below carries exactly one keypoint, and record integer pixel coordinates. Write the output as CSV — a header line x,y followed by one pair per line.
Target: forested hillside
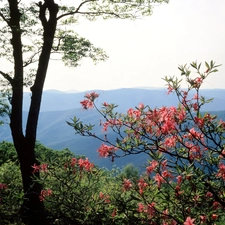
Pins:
x,y
59,107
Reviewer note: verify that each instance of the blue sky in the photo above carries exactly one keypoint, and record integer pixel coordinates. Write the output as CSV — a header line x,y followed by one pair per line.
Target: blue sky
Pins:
x,y
141,52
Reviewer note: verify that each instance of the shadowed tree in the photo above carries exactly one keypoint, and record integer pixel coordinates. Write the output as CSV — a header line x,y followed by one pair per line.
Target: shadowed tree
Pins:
x,y
30,33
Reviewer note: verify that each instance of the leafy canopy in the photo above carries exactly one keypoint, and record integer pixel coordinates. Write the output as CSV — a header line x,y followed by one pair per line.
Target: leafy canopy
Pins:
x,y
68,45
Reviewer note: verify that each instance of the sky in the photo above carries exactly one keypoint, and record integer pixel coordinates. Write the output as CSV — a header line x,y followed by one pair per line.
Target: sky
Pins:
x,y
142,52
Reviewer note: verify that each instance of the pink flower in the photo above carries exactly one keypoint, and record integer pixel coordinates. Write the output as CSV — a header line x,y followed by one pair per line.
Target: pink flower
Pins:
x,y
134,113
198,80
195,106
44,194
105,104
199,121
101,195
203,218
151,209
91,96
195,134
178,192
181,114
159,179
214,216
168,126
221,172
73,162
36,168
216,205
165,213
142,185
3,186
106,150
196,97
170,89
85,164
173,222
164,164
153,165
141,106
208,194
104,197
87,104
140,208
195,152
44,168
189,221
166,174
105,126
127,184
170,141
179,179
114,212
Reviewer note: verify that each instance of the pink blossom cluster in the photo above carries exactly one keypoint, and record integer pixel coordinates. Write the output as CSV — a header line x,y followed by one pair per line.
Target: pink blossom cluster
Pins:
x,y
89,101
106,150
104,197
44,194
81,163
111,123
42,168
127,184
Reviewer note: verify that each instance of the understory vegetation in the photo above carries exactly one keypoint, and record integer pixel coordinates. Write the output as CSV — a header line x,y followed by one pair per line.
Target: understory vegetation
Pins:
x,y
77,192
184,172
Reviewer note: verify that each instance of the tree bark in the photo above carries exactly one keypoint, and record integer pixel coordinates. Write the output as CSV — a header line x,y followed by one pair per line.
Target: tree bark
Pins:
x,y
32,210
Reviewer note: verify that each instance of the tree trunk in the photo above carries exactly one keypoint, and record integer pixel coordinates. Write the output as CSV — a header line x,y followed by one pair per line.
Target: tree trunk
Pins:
x,y
32,210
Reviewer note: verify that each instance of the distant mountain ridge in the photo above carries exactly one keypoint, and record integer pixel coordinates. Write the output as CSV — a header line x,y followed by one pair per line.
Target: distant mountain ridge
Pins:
x,y
59,107
54,100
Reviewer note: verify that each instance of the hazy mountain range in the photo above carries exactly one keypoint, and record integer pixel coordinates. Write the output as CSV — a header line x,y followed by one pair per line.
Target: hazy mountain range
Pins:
x,y
59,107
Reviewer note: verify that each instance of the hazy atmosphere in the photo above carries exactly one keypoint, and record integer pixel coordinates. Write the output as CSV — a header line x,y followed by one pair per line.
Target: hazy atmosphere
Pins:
x,y
141,52
108,143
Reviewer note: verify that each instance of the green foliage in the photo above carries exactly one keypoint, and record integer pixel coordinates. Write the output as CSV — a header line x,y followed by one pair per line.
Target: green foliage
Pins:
x,y
185,174
75,192
130,172
11,196
68,46
29,34
8,153
46,154
74,48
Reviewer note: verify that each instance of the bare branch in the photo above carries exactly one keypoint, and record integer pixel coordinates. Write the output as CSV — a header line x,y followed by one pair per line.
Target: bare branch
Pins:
x,y
31,59
7,77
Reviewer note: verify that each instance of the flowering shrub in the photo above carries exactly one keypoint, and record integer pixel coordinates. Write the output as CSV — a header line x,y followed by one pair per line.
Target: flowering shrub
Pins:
x,y
11,193
184,178
185,174
77,192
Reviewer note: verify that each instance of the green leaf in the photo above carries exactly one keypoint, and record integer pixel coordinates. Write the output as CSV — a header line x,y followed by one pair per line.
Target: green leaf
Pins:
x,y
207,65
209,100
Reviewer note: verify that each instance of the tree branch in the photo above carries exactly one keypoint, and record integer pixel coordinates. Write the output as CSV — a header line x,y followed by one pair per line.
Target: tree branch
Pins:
x,y
100,13
31,60
42,11
7,77
76,11
3,17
